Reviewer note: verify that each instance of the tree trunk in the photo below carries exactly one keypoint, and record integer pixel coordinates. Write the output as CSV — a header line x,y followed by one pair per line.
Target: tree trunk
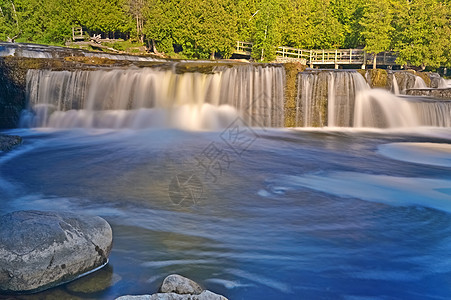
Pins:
x,y
154,47
374,60
15,14
212,55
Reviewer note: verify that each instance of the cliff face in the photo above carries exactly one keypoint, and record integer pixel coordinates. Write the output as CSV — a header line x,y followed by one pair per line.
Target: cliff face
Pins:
x,y
12,91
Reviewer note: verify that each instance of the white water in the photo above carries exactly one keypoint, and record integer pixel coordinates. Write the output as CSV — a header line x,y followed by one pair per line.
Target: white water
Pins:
x,y
338,88
379,108
419,83
395,85
443,84
349,102
150,97
433,154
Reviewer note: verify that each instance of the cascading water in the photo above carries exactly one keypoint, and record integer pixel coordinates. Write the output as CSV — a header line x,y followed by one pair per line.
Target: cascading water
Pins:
x,y
406,80
326,98
343,99
395,87
152,97
419,83
379,108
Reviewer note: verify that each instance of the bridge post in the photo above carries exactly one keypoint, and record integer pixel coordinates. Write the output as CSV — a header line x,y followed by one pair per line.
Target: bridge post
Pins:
x,y
336,59
311,57
364,60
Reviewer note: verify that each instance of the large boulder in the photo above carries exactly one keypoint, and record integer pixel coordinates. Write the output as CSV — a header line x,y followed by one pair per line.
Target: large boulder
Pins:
x,y
177,287
39,250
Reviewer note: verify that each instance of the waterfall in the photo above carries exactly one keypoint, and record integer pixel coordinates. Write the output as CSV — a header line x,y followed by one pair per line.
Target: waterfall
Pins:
x,y
326,98
406,80
379,108
419,83
395,87
343,99
443,84
149,97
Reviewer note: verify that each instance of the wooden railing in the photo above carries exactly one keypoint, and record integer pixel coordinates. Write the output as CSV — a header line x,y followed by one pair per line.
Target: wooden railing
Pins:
x,y
77,33
244,48
292,52
326,57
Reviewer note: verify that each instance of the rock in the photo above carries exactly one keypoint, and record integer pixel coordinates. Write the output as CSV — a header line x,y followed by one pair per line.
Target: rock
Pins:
x,y
180,285
7,142
205,295
176,287
39,250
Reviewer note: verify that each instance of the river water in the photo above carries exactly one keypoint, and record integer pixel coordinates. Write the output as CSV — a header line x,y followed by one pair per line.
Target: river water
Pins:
x,y
258,213
197,176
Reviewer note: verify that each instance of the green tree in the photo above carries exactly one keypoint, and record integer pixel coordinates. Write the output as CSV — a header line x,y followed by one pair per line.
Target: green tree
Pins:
x,y
266,35
296,29
217,28
9,23
160,22
422,32
326,31
376,27
349,14
104,15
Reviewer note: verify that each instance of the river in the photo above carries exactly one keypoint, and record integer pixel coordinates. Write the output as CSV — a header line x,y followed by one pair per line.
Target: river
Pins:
x,y
247,209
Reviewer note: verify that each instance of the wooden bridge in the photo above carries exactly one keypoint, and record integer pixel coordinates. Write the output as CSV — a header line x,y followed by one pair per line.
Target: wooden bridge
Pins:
x,y
335,57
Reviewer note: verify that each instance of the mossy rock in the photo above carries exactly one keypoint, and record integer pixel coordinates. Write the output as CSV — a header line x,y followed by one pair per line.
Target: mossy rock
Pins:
x,y
379,78
93,60
291,80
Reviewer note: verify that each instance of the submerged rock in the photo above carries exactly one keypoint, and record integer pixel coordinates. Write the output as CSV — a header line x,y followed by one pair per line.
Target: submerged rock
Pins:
x,y
96,282
39,250
176,287
180,285
7,142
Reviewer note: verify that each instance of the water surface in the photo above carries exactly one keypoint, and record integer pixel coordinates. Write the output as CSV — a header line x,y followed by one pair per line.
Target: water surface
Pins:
x,y
311,214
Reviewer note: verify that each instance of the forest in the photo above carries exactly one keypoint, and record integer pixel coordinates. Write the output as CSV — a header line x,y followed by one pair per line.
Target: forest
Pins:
x,y
419,30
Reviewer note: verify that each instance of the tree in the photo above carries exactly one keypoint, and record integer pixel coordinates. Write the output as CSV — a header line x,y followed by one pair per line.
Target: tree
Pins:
x,y
104,15
349,14
9,23
160,22
135,9
296,30
422,32
376,27
217,28
266,35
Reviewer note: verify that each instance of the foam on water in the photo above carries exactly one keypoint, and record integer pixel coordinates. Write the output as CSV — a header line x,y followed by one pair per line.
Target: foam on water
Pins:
x,y
391,190
435,154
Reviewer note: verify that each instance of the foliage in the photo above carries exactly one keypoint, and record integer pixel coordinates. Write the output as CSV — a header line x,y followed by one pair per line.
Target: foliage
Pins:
x,y
376,26
423,33
266,30
419,30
